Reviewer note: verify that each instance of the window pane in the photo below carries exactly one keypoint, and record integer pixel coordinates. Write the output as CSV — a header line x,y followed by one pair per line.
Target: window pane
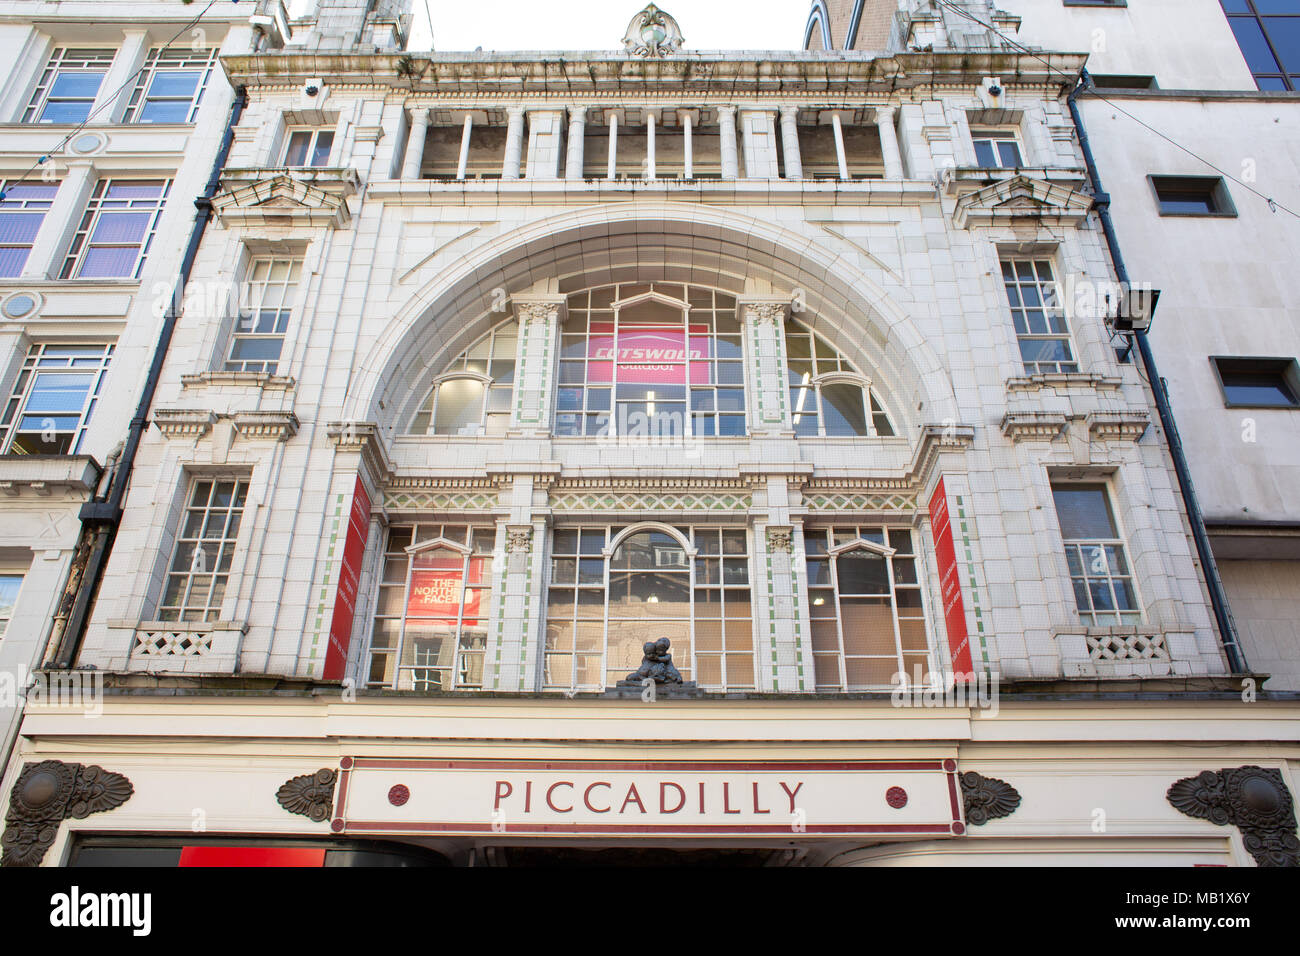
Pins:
x,y
459,407
843,410
1084,512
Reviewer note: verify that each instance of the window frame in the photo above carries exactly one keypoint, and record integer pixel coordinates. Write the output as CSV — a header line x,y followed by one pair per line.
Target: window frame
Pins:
x,y
505,330
228,544
487,584
1288,76
1137,615
1005,259
1287,367
7,610
844,373
292,289
74,261
20,206
24,385
170,60
1219,196
694,414
687,661
998,134
830,554
54,68
313,145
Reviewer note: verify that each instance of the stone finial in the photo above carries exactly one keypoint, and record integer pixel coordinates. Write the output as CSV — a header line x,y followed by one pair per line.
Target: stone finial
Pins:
x,y
652,33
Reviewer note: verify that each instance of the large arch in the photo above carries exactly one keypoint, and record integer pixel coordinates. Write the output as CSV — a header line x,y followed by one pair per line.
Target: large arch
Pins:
x,y
677,242
820,20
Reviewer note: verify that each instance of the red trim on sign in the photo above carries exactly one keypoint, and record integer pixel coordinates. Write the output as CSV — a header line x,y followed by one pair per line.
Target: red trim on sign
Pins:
x,y
341,794
952,795
667,828
417,763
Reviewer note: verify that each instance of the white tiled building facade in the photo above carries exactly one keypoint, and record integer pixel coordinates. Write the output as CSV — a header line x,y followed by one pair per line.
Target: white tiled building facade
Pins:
x,y
494,367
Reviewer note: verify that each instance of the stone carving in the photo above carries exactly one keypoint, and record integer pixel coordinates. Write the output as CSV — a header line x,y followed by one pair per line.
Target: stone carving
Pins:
x,y
657,665
311,795
46,794
1253,799
652,33
519,540
780,539
986,798
761,312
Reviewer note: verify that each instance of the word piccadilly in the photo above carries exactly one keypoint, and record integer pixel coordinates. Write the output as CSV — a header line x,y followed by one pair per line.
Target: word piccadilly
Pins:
x,y
74,909
602,796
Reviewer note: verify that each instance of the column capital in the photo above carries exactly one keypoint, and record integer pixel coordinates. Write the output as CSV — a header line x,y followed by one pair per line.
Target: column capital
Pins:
x,y
728,111
764,308
577,114
419,113
885,112
514,112
789,114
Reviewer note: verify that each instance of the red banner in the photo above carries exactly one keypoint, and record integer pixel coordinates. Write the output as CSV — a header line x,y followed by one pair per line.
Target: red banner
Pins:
x,y
954,610
436,585
251,856
345,601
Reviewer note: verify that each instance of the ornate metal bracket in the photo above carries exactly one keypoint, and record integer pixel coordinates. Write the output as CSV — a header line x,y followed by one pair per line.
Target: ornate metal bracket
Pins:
x,y
311,795
1255,800
46,794
986,798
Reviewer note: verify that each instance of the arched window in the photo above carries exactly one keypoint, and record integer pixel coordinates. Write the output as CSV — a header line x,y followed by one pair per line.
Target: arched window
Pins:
x,y
472,395
651,360
865,607
828,396
614,589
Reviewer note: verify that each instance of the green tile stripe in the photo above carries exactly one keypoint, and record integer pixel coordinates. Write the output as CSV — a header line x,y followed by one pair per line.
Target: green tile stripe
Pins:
x,y
974,588
499,603
533,368
798,619
534,559
771,602
323,605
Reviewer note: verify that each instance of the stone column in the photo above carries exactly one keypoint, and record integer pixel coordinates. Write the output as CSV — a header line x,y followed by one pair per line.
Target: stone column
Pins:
x,y
55,232
539,322
650,145
790,142
727,128
684,117
414,157
574,156
517,618
119,81
514,143
769,406
612,168
889,142
462,162
839,145
782,633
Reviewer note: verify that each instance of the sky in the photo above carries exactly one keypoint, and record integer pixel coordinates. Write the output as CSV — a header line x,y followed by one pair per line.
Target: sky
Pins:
x,y
599,24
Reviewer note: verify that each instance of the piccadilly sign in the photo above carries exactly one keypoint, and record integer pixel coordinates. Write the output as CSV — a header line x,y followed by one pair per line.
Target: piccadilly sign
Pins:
x,y
650,798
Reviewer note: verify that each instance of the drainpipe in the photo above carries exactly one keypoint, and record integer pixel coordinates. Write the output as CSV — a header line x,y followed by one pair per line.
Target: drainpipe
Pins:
x,y
101,516
1214,584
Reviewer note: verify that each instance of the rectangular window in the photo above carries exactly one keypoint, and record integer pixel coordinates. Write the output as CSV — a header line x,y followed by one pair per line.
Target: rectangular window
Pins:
x,y
1192,196
265,305
68,86
1268,33
1094,551
205,549
1258,382
9,586
865,608
997,148
599,618
21,213
170,86
431,616
308,147
53,398
1041,329
117,229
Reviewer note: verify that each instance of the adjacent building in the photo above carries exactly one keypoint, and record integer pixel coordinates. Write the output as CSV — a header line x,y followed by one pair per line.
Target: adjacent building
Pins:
x,y
495,369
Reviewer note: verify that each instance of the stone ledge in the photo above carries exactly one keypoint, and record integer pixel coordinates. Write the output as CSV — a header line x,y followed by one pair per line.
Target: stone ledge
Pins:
x,y
1033,426
42,474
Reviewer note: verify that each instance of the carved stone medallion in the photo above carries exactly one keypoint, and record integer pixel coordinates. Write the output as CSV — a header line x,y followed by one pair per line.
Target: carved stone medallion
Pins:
x,y
1255,800
986,798
311,795
46,794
